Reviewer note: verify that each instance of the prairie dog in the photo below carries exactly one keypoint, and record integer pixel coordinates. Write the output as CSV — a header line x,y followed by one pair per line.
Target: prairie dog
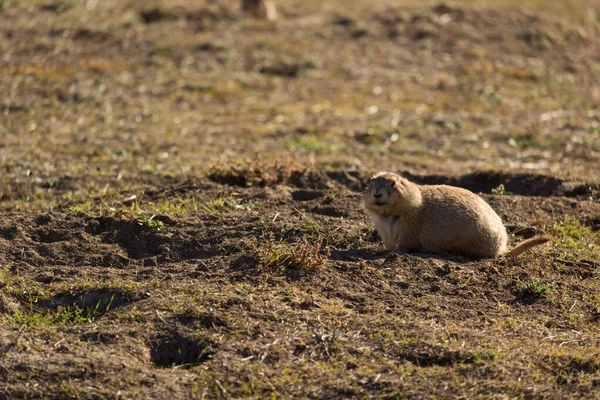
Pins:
x,y
260,9
437,218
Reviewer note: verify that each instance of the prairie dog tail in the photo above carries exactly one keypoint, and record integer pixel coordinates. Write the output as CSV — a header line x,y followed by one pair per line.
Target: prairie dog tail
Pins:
x,y
527,245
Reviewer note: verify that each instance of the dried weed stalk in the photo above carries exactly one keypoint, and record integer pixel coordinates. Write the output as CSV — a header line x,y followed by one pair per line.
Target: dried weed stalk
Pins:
x,y
303,256
255,172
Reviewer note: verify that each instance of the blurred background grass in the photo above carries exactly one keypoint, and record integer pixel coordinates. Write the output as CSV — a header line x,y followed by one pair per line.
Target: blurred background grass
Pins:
x,y
586,11
581,10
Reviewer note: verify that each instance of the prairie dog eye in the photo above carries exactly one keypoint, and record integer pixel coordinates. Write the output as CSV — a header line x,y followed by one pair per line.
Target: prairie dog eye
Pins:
x,y
392,184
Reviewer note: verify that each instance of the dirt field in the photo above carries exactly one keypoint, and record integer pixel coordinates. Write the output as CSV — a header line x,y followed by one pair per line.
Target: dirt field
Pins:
x,y
180,196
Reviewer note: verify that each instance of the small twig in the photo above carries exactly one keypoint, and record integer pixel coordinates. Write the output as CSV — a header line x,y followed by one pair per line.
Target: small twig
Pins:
x,y
585,263
222,389
160,316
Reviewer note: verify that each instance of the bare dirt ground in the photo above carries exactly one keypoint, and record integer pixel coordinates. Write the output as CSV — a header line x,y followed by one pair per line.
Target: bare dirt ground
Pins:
x,y
180,200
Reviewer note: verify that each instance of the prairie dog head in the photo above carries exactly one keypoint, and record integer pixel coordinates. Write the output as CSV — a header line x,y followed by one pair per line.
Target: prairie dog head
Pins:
x,y
390,194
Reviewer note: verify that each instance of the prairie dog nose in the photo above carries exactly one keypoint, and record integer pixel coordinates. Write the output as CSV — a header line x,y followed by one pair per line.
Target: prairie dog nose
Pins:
x,y
377,195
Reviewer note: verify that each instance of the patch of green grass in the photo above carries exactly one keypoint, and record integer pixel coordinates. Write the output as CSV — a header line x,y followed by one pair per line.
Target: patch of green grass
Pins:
x,y
573,233
69,391
510,323
219,205
570,368
132,316
83,207
483,356
69,315
535,288
176,206
150,222
309,143
492,98
24,290
500,190
571,229
522,141
53,181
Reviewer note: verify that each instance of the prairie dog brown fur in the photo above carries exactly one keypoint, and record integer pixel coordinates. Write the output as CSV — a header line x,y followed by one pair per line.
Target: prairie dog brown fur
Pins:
x,y
437,218
260,9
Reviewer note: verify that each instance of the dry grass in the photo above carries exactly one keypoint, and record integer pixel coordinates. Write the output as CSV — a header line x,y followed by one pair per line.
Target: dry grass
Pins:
x,y
303,256
256,172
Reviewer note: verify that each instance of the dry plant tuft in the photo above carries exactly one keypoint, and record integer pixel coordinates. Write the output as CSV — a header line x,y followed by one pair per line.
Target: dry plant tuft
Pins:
x,y
256,172
302,256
